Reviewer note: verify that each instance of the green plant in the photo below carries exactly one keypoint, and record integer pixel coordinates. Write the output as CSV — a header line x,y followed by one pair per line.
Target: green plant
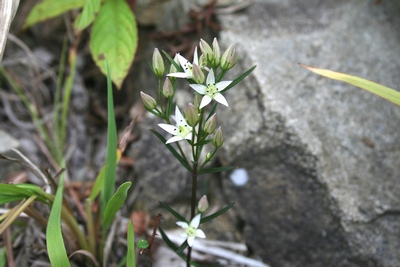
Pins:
x,y
196,127
375,88
111,202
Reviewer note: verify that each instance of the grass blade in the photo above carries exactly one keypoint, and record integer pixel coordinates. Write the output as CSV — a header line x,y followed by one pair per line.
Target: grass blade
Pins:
x,y
375,88
131,260
55,243
216,214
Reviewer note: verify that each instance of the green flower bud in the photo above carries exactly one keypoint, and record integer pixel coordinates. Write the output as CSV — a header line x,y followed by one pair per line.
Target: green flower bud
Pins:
x,y
218,139
191,115
203,204
168,89
158,63
211,123
197,101
198,75
206,50
217,53
173,69
148,102
229,58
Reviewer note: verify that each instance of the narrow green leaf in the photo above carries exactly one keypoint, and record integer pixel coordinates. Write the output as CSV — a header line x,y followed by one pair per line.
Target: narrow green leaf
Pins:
x,y
115,204
216,214
114,35
9,199
89,12
173,151
98,184
239,79
173,212
49,9
217,169
111,156
177,66
375,88
2,257
55,243
131,261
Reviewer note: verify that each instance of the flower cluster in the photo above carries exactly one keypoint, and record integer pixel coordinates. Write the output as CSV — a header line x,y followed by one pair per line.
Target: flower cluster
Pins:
x,y
195,125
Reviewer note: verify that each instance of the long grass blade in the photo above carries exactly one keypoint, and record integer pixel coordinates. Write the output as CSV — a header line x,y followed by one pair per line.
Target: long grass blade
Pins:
x,y
130,257
55,243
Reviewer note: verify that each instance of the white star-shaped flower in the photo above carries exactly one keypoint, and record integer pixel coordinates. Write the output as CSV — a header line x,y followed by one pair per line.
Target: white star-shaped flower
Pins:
x,y
191,230
187,66
181,131
211,90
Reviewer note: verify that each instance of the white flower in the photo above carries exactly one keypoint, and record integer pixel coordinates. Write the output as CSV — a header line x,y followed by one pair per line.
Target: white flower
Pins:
x,y
211,90
186,65
181,131
191,230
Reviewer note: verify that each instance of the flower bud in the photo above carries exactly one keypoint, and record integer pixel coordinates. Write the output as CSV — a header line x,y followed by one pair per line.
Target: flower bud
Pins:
x,y
191,115
218,139
210,124
198,75
216,52
173,69
203,204
168,89
158,63
229,58
197,101
148,102
206,50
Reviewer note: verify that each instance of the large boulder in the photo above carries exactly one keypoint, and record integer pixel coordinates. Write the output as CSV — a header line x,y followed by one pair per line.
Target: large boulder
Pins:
x,y
322,156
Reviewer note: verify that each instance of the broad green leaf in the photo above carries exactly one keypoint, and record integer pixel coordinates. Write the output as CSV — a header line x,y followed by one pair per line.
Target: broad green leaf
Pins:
x,y
49,9
239,79
216,214
114,35
111,156
375,88
115,204
88,14
142,244
55,243
131,261
173,212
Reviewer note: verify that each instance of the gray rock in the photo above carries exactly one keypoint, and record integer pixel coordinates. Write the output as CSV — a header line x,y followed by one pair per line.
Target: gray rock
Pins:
x,y
322,156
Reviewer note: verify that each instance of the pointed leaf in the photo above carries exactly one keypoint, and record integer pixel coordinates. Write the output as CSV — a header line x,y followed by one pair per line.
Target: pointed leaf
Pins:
x,y
55,243
110,168
239,79
216,214
130,257
114,35
375,88
173,151
173,212
217,169
89,12
115,204
49,9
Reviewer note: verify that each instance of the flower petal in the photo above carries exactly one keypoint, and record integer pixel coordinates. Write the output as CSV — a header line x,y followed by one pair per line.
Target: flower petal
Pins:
x,y
195,221
174,139
205,101
221,99
169,128
222,85
210,77
189,136
190,241
183,61
178,117
195,57
200,233
179,75
184,225
199,88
